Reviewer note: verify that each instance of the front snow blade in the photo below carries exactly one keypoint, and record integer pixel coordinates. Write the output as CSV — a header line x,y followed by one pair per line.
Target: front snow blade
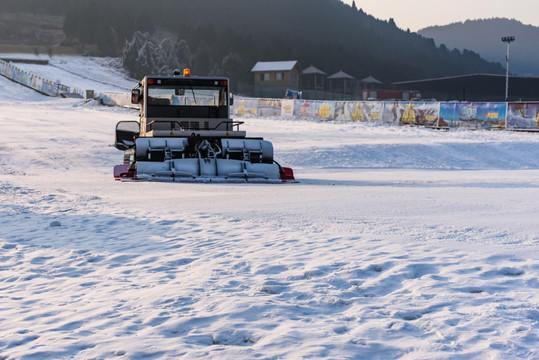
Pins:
x,y
287,174
122,172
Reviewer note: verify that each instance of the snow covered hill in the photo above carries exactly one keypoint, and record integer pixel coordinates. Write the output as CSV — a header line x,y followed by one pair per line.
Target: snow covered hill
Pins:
x,y
396,243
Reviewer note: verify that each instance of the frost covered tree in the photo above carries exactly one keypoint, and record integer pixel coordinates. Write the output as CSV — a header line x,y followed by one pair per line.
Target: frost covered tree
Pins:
x,y
232,66
145,59
178,54
131,53
143,56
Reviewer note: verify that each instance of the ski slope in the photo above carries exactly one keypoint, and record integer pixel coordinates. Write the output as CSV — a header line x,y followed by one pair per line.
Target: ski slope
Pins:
x,y
397,243
84,73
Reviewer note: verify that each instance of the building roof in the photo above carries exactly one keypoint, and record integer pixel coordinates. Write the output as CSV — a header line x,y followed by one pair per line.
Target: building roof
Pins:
x,y
371,80
341,75
453,78
312,70
476,87
274,66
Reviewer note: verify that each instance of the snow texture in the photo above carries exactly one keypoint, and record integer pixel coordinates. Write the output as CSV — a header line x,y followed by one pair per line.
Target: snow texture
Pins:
x,y
397,243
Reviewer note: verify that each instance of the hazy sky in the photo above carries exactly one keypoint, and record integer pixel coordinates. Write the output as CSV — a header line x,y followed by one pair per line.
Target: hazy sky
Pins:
x,y
417,14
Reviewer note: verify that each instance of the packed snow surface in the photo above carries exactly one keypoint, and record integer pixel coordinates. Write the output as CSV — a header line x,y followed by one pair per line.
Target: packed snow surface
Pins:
x,y
397,243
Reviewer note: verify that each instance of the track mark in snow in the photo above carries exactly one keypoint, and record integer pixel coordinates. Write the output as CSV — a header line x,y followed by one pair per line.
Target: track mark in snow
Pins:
x,y
86,77
273,287
40,260
408,315
509,271
64,160
471,290
157,321
233,338
268,270
22,341
70,326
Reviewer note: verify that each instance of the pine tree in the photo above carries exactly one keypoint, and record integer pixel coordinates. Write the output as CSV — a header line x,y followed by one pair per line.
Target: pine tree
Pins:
x,y
354,5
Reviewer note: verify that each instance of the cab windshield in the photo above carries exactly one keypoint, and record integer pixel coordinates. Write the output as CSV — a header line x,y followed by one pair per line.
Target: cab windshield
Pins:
x,y
178,95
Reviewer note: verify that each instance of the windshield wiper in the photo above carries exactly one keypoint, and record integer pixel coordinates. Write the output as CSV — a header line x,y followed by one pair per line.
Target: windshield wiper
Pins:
x,y
193,91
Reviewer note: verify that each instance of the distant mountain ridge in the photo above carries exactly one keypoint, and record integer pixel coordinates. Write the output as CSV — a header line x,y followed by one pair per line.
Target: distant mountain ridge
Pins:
x,y
484,37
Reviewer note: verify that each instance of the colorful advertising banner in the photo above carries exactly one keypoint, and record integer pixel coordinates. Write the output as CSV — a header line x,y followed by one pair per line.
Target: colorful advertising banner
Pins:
x,y
358,110
339,113
287,108
304,109
411,113
49,87
391,113
324,110
269,107
117,99
372,111
523,116
245,107
473,115
31,80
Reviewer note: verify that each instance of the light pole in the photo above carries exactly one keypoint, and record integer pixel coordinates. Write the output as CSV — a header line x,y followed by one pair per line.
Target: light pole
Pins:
x,y
508,40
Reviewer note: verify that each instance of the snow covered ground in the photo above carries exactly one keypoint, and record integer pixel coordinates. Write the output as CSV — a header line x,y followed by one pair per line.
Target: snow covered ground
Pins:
x,y
401,243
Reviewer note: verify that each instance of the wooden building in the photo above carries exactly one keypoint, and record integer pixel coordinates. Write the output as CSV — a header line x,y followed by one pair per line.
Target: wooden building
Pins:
x,y
273,78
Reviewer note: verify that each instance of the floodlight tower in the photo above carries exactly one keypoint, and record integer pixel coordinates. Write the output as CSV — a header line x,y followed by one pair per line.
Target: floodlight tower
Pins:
x,y
508,40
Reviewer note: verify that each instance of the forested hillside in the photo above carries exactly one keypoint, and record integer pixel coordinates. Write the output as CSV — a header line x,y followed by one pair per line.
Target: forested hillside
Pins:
x,y
215,36
484,36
